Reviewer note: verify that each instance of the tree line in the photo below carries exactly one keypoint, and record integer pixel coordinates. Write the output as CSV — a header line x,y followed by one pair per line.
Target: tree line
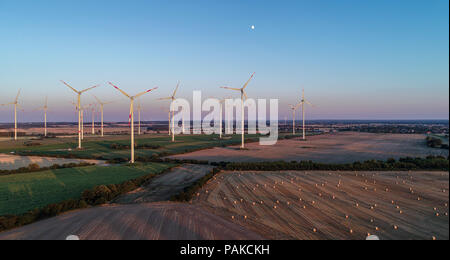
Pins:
x,y
34,167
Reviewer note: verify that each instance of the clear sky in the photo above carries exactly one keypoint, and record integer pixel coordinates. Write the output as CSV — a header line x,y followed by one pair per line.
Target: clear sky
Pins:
x,y
356,59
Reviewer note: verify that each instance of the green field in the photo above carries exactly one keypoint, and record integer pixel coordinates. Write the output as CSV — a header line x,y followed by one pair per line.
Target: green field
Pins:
x,y
20,193
100,148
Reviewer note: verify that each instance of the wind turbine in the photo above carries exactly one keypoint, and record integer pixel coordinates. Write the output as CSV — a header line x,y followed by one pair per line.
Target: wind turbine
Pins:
x,y
171,129
79,110
164,109
82,109
293,108
92,106
220,117
131,117
243,95
102,104
16,104
45,109
302,102
221,102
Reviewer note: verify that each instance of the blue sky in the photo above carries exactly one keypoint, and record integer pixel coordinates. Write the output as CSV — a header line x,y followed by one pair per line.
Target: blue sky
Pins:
x,y
355,59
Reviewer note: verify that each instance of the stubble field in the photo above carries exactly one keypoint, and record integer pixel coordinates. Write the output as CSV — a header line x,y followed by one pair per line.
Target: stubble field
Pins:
x,y
332,205
345,147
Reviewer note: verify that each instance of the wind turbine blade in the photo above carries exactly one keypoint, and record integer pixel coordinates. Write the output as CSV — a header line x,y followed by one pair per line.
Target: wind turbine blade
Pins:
x,y
7,104
89,89
245,96
248,81
98,100
166,98
123,92
309,103
46,102
131,111
76,91
176,89
237,89
17,97
145,92
75,104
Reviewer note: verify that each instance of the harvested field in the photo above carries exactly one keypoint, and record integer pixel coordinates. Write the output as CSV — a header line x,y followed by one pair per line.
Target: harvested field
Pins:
x,y
332,205
346,147
163,187
12,162
166,221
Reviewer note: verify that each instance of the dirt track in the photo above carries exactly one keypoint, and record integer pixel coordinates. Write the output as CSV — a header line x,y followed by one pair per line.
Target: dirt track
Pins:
x,y
153,221
292,205
345,147
163,187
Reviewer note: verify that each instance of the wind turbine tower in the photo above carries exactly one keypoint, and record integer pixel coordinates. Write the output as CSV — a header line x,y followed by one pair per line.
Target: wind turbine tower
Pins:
x,y
16,104
82,109
302,102
171,129
293,108
93,118
102,104
45,109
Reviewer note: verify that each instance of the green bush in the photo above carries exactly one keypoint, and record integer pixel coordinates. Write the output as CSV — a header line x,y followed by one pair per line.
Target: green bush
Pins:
x,y
434,142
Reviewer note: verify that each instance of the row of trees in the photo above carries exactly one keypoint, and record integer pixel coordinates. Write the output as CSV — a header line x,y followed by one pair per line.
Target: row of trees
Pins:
x,y
34,167
429,163
137,146
188,193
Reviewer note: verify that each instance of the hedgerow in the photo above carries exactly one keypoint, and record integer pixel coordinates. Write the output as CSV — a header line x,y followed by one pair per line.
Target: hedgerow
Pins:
x,y
34,167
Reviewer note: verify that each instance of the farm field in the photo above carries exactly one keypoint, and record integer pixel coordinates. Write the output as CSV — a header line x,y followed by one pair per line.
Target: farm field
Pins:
x,y
147,221
20,193
345,147
96,147
164,186
332,205
12,162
